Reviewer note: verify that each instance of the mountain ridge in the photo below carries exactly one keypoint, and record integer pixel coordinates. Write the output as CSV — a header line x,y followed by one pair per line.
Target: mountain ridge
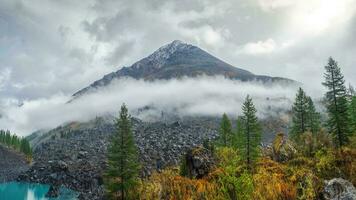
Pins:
x,y
178,59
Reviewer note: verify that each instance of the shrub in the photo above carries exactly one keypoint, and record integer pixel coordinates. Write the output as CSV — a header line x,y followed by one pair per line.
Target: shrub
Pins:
x,y
271,182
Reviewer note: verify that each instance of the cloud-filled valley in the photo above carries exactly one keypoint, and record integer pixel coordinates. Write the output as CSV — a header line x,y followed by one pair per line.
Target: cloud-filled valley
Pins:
x,y
207,96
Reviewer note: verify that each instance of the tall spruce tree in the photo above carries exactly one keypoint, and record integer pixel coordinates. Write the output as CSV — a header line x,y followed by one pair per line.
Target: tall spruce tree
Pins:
x,y
299,112
238,138
25,147
352,111
226,135
313,117
123,168
251,133
305,117
336,100
8,138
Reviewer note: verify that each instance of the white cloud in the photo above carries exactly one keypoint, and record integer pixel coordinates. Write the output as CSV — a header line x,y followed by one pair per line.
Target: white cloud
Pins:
x,y
56,47
260,47
318,16
270,5
264,47
4,77
210,96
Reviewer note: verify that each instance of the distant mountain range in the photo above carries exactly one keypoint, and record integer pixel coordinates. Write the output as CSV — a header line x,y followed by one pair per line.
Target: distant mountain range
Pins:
x,y
176,60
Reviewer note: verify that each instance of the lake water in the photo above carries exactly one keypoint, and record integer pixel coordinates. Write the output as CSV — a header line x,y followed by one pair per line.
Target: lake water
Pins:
x,y
31,191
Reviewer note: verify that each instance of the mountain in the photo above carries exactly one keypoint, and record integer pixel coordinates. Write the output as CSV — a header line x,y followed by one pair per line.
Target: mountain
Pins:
x,y
12,164
176,60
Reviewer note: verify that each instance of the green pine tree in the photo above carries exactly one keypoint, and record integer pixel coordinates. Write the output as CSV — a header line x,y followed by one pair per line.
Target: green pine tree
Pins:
x,y
313,117
8,138
239,139
26,148
2,136
299,112
251,133
336,100
352,112
226,135
122,172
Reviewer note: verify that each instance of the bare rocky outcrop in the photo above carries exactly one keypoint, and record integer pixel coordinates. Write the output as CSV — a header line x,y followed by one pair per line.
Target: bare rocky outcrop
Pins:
x,y
339,189
199,162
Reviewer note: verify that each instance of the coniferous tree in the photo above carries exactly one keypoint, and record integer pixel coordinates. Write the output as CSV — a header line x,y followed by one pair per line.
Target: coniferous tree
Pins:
x,y
336,100
226,135
8,138
13,141
299,111
121,175
238,139
251,133
25,147
351,91
2,136
352,112
313,117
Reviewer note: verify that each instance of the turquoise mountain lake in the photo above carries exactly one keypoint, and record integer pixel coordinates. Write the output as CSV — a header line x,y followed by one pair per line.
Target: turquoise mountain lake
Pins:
x,y
32,191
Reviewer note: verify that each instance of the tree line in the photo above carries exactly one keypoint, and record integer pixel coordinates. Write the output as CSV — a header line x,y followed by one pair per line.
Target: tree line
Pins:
x,y
20,144
122,173
340,103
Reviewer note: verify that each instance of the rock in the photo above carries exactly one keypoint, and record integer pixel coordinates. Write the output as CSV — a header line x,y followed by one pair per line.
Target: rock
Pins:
x,y
12,164
78,159
53,192
339,189
199,162
62,165
82,154
281,149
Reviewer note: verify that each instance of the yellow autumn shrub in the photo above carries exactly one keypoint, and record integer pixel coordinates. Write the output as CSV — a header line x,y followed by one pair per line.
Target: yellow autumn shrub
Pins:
x,y
271,182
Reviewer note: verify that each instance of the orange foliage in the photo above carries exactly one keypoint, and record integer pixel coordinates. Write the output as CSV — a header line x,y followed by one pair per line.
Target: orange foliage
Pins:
x,y
271,182
169,185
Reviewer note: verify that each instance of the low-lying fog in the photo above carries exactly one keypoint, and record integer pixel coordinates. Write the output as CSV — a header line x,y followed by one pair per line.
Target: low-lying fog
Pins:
x,y
209,96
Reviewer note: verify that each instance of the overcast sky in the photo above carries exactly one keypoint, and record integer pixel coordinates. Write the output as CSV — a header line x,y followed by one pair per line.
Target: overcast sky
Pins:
x,y
58,47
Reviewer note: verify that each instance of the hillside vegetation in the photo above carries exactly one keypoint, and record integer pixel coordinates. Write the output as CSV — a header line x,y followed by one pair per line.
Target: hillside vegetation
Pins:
x,y
237,166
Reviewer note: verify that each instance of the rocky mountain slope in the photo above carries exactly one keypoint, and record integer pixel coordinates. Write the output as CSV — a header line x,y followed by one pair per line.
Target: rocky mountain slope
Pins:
x,y
176,60
74,154
11,164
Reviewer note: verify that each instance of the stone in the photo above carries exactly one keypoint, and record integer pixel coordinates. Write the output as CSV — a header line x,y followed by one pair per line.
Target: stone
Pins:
x,y
199,162
62,165
53,192
339,189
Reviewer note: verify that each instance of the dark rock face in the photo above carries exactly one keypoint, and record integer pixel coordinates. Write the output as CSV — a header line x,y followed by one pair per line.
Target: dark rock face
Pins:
x,y
199,162
339,189
11,164
176,60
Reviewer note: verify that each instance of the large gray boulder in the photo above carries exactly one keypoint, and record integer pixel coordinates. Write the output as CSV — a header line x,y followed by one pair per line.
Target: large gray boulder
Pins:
x,y
339,189
199,162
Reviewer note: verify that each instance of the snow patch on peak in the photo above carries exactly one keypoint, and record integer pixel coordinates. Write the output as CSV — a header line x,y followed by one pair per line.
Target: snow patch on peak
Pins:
x,y
160,56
